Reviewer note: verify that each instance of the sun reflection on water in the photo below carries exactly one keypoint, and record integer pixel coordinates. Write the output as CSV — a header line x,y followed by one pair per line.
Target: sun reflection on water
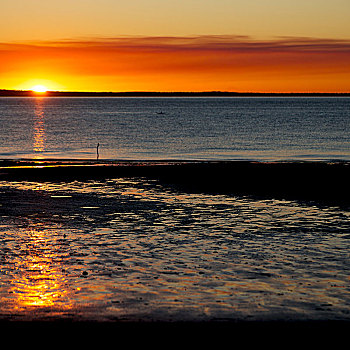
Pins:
x,y
39,287
39,128
40,281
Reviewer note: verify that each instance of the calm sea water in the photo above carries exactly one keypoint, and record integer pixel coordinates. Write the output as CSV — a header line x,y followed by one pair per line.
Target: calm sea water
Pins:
x,y
176,128
134,249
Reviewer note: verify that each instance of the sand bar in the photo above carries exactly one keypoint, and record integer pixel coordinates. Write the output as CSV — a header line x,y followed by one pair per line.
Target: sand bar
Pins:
x,y
320,181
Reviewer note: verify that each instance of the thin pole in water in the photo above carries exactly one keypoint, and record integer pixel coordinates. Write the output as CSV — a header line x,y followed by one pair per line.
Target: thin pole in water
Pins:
x,y
97,154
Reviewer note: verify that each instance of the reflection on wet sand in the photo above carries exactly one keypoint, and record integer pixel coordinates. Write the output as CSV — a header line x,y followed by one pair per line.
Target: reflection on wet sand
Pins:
x,y
37,280
133,249
39,128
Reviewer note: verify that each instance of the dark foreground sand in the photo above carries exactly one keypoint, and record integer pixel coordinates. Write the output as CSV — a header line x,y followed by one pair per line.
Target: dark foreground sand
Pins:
x,y
218,335
316,181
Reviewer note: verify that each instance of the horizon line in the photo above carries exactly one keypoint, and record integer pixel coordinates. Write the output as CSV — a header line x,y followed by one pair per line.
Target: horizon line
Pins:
x,y
13,92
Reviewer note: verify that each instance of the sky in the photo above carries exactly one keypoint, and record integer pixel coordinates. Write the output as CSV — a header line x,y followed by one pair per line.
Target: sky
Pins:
x,y
163,45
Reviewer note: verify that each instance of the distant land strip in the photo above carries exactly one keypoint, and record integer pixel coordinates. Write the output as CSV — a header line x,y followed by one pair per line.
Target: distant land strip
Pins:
x,y
29,93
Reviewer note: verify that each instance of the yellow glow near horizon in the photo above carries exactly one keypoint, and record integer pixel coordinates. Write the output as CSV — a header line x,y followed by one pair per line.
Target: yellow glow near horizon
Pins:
x,y
203,63
39,88
47,81
184,45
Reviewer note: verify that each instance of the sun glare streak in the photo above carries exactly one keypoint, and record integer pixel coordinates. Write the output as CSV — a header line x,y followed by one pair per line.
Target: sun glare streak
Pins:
x,y
39,130
41,284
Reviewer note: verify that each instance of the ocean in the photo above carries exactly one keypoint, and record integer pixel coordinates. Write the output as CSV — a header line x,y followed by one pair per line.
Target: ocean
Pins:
x,y
177,128
135,249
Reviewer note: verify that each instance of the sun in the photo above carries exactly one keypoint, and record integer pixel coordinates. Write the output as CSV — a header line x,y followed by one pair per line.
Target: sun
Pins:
x,y
39,88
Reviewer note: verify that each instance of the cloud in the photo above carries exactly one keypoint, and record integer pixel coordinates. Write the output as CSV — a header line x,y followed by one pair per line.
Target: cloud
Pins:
x,y
223,59
192,43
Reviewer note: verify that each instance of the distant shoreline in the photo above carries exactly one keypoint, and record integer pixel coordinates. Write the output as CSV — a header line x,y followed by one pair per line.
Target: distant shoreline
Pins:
x,y
29,93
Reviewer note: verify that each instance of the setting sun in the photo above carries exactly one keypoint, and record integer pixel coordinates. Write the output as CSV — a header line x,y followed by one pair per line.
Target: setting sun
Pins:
x,y
39,88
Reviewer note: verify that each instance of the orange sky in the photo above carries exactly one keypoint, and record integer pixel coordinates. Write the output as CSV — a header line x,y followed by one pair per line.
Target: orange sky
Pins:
x,y
183,45
202,63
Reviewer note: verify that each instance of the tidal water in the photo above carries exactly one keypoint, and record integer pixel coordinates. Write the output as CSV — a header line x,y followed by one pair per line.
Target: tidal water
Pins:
x,y
285,128
133,249
136,249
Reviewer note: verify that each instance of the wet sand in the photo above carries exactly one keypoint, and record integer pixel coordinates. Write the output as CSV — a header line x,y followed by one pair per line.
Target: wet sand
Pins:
x,y
321,183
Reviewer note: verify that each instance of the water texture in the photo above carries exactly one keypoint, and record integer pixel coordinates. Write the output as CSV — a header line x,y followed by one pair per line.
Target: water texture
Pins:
x,y
285,128
133,249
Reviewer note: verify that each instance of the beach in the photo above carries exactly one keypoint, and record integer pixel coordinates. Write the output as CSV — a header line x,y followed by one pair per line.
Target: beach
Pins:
x,y
175,246
175,174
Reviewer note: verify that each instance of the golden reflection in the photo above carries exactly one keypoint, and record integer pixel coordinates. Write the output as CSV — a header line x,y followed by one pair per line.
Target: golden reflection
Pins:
x,y
39,128
41,281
